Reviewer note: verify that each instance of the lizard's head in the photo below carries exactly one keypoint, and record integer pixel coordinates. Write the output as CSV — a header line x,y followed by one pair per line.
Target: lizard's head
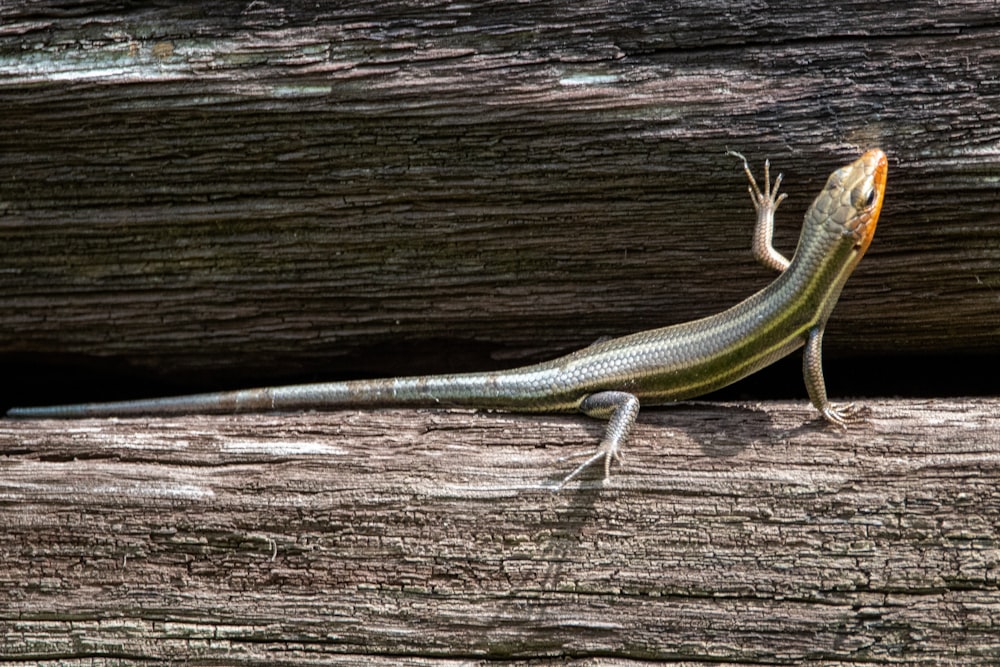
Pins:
x,y
852,198
839,226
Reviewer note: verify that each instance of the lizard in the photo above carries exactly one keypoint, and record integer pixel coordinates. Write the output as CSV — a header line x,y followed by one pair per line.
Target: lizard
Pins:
x,y
612,378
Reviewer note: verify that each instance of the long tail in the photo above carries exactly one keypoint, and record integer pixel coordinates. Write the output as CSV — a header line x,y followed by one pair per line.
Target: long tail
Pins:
x,y
525,389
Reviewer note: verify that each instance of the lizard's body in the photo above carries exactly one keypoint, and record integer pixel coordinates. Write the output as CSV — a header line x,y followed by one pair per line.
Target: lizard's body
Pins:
x,y
610,379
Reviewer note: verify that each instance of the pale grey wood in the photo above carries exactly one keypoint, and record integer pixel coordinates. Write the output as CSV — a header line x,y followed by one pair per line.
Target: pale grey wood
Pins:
x,y
745,534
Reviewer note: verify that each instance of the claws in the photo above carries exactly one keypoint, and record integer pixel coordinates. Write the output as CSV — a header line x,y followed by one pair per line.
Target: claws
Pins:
x,y
620,409
842,415
606,450
765,203
769,197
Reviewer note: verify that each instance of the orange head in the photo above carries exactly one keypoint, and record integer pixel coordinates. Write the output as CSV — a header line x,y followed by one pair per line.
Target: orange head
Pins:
x,y
863,181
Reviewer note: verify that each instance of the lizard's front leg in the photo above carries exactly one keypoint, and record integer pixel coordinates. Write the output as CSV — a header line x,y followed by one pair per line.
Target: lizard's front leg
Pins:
x,y
765,203
812,372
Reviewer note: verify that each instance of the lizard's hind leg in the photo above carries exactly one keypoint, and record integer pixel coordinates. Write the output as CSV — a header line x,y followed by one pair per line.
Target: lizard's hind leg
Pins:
x,y
620,409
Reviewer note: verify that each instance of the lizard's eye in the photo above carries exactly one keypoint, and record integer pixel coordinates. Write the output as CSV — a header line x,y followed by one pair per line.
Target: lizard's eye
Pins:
x,y
862,199
870,199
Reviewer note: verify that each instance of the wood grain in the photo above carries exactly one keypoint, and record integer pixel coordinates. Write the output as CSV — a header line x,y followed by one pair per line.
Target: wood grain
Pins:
x,y
252,193
229,194
735,534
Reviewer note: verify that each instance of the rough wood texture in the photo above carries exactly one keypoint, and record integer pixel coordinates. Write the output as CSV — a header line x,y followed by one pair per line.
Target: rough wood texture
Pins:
x,y
253,192
736,534
233,192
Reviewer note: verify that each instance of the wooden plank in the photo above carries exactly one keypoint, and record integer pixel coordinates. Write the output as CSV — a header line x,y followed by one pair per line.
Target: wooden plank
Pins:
x,y
247,193
745,534
390,187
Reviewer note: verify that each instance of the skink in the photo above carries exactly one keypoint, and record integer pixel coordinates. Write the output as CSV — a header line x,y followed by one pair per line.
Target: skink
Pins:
x,y
611,379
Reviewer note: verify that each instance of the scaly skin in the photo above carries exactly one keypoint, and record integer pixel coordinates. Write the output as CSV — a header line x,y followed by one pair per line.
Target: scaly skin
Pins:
x,y
609,380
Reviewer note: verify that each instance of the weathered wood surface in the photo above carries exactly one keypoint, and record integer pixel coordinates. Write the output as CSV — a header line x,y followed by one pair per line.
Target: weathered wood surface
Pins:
x,y
255,192
736,534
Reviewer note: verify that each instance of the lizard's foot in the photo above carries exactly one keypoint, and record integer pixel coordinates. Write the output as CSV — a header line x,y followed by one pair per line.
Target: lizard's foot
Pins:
x,y
768,199
620,409
765,202
606,450
842,415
